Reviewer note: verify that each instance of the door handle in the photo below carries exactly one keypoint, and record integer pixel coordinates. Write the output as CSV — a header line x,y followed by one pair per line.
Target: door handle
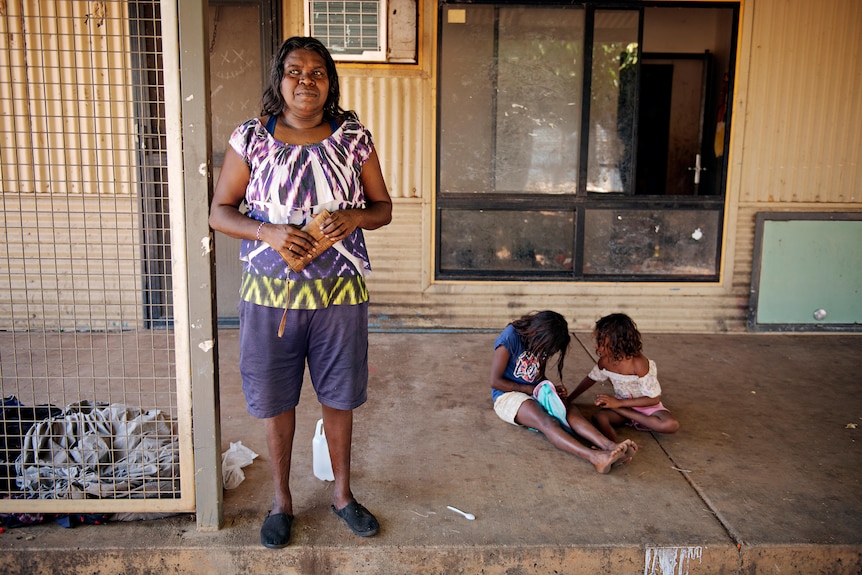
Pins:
x,y
697,169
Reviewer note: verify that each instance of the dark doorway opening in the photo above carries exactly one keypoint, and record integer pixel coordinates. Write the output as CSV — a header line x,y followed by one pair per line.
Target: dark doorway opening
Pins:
x,y
672,122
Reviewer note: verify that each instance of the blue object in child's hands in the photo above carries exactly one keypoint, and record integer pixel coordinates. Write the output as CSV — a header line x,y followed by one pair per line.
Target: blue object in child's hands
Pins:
x,y
546,394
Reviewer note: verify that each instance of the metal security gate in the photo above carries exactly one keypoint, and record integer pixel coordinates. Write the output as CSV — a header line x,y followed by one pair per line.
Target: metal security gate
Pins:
x,y
94,351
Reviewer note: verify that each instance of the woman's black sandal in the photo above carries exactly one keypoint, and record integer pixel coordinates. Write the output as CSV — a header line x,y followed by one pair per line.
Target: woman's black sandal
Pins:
x,y
275,532
358,518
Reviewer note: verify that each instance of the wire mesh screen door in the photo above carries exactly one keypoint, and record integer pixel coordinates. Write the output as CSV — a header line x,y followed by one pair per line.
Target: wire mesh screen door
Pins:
x,y
95,417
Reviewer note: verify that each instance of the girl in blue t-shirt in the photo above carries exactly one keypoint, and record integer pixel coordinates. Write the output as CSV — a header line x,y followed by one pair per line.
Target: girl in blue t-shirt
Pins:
x,y
521,354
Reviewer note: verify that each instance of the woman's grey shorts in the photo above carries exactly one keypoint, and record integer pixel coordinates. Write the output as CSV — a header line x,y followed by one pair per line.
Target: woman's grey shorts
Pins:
x,y
333,340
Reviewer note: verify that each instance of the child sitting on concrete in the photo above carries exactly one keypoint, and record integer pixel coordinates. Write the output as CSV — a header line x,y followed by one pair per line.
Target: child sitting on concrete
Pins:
x,y
637,393
521,353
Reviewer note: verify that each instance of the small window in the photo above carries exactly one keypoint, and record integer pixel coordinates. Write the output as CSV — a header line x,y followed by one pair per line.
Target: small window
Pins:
x,y
366,30
351,30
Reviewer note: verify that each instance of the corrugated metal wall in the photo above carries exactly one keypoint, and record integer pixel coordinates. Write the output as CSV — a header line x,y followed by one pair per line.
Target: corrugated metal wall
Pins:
x,y
803,141
392,107
798,127
67,148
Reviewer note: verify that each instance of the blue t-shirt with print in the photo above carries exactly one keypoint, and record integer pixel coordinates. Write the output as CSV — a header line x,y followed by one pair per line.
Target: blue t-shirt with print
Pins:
x,y
523,366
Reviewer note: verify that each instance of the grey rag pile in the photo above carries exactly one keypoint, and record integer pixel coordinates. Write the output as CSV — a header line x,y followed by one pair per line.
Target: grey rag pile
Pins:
x,y
100,450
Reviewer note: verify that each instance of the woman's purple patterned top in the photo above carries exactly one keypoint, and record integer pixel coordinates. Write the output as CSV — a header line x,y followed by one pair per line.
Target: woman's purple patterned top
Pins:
x,y
289,184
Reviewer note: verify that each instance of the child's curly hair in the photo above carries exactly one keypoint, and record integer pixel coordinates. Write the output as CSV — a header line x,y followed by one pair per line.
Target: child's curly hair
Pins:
x,y
543,334
620,335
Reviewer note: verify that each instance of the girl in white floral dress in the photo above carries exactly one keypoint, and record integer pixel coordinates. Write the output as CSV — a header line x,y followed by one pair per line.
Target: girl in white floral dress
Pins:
x,y
637,394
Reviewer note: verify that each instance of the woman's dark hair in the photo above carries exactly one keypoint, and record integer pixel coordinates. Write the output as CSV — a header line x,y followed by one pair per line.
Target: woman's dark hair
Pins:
x,y
543,334
273,102
619,333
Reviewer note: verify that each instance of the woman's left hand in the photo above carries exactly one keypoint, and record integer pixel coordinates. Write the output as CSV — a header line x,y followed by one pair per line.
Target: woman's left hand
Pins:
x,y
341,223
562,392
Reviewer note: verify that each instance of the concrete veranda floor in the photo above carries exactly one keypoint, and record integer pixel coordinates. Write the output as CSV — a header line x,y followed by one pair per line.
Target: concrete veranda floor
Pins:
x,y
763,476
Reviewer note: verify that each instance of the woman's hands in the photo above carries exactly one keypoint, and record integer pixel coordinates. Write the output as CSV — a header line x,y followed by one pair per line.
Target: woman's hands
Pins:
x,y
341,224
288,238
292,238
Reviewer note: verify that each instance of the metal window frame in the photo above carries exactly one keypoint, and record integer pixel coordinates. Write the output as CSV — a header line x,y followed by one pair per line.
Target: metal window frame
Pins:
x,y
581,200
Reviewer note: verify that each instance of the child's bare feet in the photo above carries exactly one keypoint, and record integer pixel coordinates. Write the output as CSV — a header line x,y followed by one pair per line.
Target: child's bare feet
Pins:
x,y
604,460
630,449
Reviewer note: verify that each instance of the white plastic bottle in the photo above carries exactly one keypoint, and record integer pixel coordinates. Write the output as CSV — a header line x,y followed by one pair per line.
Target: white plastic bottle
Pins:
x,y
320,454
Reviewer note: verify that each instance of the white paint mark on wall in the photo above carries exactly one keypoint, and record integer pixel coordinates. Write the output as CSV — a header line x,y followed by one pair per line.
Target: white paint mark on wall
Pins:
x,y
206,345
202,169
671,560
206,245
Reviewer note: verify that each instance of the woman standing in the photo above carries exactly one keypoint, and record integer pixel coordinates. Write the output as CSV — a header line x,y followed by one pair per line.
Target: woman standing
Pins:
x,y
304,156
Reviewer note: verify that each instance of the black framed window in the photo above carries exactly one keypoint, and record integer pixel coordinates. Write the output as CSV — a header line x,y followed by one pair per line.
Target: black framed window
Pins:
x,y
583,141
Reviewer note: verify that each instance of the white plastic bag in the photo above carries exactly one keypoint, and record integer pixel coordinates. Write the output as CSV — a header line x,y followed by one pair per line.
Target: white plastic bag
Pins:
x,y
232,462
320,461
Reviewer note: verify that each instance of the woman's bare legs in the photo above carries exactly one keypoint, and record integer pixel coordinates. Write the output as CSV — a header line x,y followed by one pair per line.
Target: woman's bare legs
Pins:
x,y
279,440
531,414
338,425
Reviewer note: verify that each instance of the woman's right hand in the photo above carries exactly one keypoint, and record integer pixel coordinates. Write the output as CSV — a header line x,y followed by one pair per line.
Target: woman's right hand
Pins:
x,y
288,238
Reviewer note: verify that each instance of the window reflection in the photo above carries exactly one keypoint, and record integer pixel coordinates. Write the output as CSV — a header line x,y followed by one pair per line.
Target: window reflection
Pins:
x,y
654,102
538,100
612,101
507,240
651,242
510,99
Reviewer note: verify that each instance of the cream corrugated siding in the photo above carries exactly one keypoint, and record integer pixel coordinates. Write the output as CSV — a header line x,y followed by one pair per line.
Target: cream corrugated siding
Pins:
x,y
803,139
70,258
14,121
69,275
392,108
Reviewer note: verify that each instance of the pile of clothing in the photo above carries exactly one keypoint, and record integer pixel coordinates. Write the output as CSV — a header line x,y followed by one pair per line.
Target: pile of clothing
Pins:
x,y
88,450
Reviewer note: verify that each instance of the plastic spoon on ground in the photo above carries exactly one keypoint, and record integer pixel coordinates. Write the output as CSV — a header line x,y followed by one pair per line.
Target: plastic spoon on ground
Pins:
x,y
469,516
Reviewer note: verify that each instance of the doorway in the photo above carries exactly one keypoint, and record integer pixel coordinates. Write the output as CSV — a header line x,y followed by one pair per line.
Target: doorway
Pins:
x,y
672,123
243,38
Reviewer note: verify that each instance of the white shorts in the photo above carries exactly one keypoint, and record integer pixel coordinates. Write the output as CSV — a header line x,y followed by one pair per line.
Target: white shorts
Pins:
x,y
508,404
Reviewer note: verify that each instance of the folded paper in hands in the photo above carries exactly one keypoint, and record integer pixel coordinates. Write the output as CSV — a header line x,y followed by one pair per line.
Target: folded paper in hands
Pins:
x,y
296,262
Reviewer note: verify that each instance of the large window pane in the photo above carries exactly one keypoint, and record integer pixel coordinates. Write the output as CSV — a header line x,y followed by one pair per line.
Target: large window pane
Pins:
x,y
507,240
686,59
510,99
466,95
651,242
538,99
612,101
